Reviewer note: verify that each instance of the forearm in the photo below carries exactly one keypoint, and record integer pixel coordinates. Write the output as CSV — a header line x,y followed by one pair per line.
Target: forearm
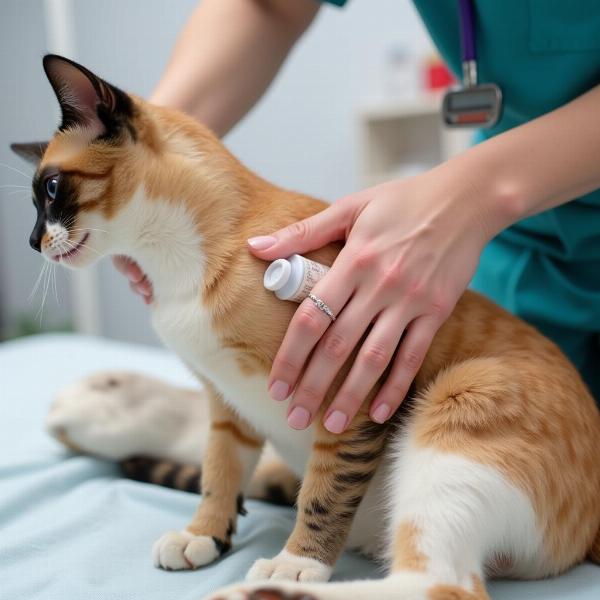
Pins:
x,y
228,54
537,166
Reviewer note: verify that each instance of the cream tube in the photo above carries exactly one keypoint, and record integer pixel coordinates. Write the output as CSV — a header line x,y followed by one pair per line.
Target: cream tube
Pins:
x,y
293,278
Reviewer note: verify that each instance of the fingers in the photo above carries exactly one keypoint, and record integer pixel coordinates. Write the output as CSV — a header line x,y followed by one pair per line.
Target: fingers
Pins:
x,y
138,282
309,234
407,363
328,357
371,361
143,288
129,268
304,331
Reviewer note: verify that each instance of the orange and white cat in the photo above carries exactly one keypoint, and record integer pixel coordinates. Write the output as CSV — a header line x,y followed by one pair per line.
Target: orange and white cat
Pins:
x,y
492,466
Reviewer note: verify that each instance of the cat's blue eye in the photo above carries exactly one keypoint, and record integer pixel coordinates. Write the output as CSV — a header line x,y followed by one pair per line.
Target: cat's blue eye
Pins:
x,y
52,187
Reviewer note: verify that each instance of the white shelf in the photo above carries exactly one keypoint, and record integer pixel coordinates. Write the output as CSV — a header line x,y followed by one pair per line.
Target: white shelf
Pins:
x,y
389,108
406,134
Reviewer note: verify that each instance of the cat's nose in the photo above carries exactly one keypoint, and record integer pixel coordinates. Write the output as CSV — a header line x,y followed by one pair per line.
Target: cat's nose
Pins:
x,y
35,239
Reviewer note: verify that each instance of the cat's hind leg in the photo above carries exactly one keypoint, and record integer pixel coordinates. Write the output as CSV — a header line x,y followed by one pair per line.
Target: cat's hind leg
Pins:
x,y
447,515
452,517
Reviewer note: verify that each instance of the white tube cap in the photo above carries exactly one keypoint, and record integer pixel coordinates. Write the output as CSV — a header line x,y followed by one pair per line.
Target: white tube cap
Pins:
x,y
277,274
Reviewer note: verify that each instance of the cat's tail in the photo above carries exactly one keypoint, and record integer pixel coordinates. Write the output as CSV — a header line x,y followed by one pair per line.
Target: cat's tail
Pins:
x,y
595,550
162,472
273,481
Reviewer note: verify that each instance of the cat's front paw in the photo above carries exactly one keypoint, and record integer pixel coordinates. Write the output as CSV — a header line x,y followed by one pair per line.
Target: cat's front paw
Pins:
x,y
179,550
288,566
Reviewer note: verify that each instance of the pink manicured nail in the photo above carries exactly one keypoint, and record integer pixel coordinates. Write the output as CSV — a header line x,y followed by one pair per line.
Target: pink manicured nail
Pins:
x,y
336,422
381,413
279,390
262,242
299,418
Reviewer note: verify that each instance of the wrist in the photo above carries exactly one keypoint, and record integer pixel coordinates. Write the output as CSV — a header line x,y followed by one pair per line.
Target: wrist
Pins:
x,y
493,199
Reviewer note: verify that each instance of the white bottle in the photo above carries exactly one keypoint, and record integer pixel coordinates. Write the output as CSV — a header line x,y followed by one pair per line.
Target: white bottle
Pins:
x,y
294,277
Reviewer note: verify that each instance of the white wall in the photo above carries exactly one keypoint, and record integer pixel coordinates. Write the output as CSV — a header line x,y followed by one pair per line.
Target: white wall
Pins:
x,y
302,133
26,114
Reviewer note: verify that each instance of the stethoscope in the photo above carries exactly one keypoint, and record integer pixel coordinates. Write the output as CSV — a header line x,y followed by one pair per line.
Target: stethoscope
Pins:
x,y
471,104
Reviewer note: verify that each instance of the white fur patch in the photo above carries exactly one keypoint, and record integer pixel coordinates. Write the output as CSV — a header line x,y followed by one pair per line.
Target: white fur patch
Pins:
x,y
465,512
57,239
181,550
289,567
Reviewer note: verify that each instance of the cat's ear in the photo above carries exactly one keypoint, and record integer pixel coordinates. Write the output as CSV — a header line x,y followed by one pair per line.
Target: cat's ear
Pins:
x,y
85,99
32,152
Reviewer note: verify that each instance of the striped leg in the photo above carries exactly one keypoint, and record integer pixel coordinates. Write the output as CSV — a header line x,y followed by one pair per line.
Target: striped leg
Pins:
x,y
273,481
232,453
336,479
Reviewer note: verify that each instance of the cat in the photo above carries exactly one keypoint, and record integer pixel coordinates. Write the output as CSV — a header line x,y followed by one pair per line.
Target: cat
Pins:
x,y
491,468
156,431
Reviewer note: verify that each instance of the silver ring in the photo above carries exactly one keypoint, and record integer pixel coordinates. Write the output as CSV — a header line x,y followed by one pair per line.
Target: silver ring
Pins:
x,y
322,306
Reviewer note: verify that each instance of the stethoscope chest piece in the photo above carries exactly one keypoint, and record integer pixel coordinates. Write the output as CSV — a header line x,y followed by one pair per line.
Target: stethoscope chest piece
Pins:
x,y
475,106
471,104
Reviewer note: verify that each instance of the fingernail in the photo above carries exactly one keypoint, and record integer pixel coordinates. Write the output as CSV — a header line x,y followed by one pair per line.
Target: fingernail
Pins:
x,y
279,390
299,418
381,413
262,242
336,422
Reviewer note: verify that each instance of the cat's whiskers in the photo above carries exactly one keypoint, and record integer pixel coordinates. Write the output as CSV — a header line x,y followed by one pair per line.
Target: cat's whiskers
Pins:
x,y
54,284
87,229
24,194
40,313
16,170
36,285
72,246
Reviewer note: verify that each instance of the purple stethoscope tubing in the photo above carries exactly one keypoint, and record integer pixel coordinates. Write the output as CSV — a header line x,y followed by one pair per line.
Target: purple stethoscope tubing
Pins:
x,y
481,105
467,30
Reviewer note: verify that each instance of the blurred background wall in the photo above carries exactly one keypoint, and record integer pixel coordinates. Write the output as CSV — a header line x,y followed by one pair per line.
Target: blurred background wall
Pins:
x,y
302,135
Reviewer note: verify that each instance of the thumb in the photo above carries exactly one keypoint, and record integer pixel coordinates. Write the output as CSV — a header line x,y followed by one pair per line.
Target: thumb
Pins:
x,y
303,236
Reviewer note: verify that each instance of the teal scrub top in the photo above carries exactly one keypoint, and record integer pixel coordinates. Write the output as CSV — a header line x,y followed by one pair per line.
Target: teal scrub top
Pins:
x,y
546,268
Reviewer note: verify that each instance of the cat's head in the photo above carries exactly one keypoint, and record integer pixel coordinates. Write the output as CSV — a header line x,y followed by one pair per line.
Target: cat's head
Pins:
x,y
89,170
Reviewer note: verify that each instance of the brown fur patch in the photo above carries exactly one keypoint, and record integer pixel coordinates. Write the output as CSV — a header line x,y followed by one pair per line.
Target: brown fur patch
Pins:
x,y
407,555
241,437
595,551
453,592
327,447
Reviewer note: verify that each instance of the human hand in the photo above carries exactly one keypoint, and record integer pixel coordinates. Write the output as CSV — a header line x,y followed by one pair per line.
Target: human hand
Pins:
x,y
412,246
138,282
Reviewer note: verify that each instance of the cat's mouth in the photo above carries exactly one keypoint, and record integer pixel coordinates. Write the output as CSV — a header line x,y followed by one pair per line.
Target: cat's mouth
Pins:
x,y
72,252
